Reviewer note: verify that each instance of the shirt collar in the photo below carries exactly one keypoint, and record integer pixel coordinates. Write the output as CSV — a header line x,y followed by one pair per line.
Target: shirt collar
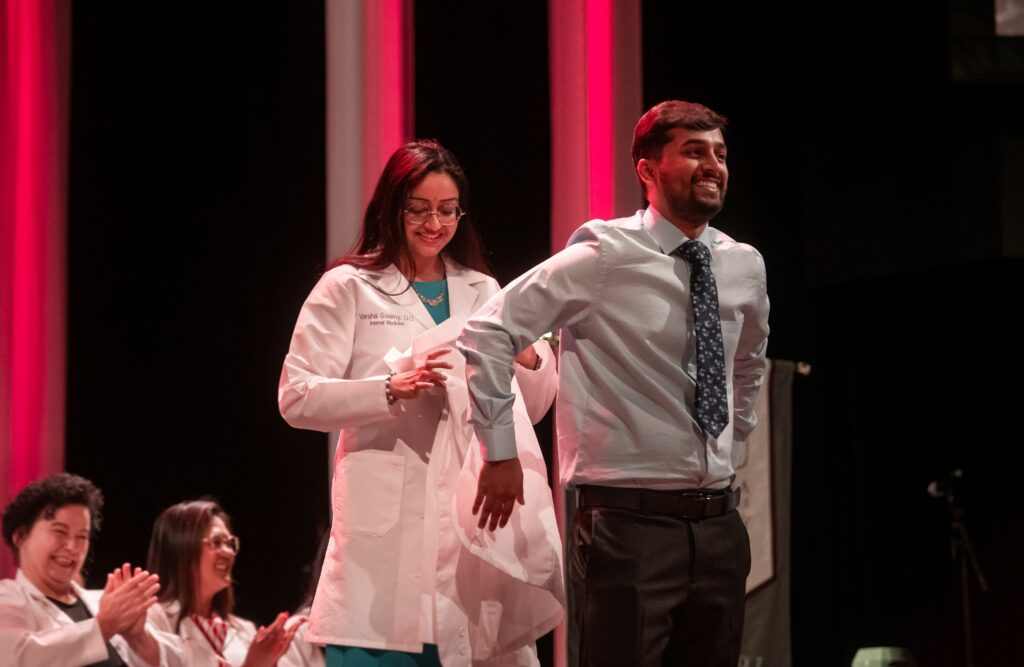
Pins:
x,y
668,236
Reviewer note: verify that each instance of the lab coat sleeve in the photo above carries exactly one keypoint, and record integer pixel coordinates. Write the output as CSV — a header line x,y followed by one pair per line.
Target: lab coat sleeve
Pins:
x,y
171,651
750,361
72,645
315,391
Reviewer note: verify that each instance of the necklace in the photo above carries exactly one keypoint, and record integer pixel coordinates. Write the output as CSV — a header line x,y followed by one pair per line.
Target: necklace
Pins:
x,y
436,301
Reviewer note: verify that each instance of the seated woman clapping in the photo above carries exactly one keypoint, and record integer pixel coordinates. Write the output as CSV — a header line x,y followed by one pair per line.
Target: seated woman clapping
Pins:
x,y
48,619
193,551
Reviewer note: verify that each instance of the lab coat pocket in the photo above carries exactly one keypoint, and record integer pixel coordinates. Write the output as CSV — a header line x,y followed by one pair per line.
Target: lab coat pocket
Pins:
x,y
368,491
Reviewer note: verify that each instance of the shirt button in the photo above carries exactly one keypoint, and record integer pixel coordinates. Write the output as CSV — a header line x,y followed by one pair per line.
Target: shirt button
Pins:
x,y
462,632
462,650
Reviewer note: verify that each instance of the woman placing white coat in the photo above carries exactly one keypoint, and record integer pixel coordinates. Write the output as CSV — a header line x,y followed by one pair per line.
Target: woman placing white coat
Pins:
x,y
408,575
48,620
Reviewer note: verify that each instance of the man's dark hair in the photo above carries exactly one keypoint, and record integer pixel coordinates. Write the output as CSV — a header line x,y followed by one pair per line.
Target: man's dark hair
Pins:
x,y
44,497
654,128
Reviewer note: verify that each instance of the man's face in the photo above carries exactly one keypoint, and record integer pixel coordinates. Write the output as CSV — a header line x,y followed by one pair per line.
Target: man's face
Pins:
x,y
689,180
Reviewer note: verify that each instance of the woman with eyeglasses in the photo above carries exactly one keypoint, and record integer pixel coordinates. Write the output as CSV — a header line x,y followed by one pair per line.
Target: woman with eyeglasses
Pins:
x,y
409,577
193,552
46,617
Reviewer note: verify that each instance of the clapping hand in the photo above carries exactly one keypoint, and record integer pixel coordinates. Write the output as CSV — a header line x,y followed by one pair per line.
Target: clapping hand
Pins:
x,y
272,641
126,597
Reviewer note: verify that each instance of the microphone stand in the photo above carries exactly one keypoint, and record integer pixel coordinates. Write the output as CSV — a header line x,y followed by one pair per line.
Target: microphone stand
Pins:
x,y
962,550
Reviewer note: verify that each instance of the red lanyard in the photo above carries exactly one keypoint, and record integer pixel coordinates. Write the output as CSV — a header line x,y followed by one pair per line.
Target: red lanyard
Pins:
x,y
215,631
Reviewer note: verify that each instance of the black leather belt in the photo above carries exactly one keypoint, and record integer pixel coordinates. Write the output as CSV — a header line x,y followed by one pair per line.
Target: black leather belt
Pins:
x,y
688,503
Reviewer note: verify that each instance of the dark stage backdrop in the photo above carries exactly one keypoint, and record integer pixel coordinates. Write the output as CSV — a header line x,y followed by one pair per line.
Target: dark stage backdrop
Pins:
x,y
866,176
870,180
196,229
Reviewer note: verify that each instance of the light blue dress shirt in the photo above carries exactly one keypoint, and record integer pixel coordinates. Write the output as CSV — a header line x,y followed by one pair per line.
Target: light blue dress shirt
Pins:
x,y
625,406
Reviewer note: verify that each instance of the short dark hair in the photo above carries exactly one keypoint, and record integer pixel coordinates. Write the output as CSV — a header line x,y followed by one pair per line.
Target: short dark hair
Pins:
x,y
382,238
654,127
174,550
44,497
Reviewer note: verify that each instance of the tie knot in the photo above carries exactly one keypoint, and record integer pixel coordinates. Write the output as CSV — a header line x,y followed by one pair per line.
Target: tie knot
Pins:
x,y
694,252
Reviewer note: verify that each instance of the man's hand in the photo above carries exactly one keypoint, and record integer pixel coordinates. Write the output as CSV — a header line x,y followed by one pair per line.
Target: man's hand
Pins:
x,y
500,486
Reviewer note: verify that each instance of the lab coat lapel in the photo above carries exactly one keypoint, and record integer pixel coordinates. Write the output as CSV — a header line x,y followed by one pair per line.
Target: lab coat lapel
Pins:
x,y
55,613
393,285
463,288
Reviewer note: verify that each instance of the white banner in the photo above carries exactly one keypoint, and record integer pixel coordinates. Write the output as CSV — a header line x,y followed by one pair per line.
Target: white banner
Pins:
x,y
764,476
754,478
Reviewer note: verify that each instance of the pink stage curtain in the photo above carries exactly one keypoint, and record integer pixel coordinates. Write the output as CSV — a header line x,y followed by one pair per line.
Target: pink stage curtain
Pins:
x,y
33,140
596,99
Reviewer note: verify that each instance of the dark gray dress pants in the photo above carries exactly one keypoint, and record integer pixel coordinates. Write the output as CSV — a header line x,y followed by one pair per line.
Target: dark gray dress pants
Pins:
x,y
655,589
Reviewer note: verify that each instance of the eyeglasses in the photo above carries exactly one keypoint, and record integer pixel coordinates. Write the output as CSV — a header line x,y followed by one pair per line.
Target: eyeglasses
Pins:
x,y
447,214
218,542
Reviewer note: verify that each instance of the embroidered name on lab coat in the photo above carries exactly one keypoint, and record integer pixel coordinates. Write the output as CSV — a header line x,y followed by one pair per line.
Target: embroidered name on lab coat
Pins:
x,y
386,319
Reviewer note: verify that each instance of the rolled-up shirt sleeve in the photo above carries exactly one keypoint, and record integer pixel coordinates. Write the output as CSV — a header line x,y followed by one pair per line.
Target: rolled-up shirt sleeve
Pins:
x,y
557,293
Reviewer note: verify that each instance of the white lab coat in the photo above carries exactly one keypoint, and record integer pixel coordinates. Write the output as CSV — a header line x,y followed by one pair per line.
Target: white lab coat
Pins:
x,y
34,632
404,547
198,651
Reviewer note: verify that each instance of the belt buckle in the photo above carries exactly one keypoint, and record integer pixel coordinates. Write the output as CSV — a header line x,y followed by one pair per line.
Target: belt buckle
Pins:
x,y
701,494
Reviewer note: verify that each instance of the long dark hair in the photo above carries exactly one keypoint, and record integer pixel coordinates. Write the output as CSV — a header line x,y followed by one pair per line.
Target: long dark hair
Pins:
x,y
382,239
174,551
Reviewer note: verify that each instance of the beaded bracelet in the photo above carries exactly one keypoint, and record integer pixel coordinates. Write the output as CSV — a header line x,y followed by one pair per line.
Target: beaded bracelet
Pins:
x,y
392,399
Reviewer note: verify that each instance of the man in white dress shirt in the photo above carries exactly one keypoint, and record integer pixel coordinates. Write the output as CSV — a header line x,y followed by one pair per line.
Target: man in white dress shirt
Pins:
x,y
656,400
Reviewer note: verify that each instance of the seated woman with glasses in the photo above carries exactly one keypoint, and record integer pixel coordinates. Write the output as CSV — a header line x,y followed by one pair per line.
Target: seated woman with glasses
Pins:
x,y
410,577
46,618
193,551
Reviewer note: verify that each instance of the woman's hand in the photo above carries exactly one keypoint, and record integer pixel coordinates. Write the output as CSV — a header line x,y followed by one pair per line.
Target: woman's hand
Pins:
x,y
410,383
140,641
271,642
126,597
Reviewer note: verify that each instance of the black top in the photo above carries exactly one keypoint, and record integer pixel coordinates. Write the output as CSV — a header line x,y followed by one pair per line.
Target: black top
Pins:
x,y
78,613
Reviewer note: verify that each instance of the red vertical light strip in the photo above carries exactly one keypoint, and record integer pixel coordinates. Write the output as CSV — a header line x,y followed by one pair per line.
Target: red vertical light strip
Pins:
x,y
386,100
26,315
33,321
600,107
392,77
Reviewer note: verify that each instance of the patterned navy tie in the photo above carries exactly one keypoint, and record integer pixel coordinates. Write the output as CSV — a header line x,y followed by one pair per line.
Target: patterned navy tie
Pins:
x,y
712,403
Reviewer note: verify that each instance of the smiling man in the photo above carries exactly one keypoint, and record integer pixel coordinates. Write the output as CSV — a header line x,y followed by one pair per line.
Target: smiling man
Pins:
x,y
663,326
